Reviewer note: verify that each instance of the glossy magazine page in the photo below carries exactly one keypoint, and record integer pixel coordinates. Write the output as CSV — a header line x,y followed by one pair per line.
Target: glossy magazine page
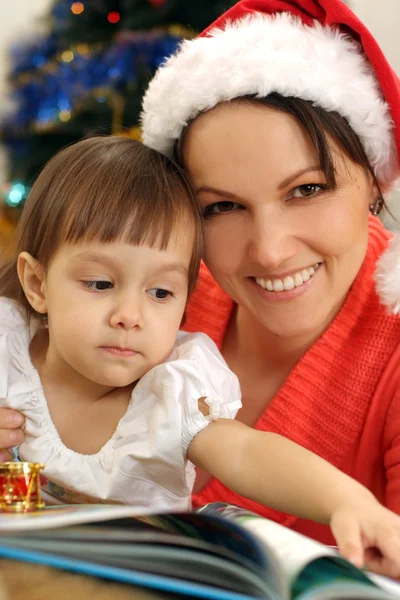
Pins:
x,y
314,571
206,556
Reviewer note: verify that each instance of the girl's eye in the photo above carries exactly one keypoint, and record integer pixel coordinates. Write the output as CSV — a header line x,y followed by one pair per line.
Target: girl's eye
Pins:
x,y
219,207
308,190
98,286
160,294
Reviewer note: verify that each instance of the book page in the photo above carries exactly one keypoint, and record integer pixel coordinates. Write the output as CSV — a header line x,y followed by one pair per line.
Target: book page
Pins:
x,y
389,585
312,578
312,570
62,515
293,550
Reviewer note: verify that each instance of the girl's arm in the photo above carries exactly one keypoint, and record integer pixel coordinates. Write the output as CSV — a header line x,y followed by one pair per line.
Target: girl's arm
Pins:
x,y
275,471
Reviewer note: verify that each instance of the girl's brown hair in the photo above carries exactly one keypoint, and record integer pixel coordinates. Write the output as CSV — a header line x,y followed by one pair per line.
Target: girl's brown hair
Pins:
x,y
104,189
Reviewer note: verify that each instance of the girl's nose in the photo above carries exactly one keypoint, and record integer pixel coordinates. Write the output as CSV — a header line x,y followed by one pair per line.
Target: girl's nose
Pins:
x,y
126,315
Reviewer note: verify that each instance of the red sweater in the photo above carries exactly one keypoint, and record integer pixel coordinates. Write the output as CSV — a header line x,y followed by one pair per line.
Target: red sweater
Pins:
x,y
341,400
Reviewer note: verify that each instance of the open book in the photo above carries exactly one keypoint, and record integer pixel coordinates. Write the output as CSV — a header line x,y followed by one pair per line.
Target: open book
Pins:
x,y
220,552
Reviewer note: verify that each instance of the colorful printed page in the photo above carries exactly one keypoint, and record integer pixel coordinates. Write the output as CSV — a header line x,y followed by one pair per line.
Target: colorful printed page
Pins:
x,y
315,570
188,554
311,570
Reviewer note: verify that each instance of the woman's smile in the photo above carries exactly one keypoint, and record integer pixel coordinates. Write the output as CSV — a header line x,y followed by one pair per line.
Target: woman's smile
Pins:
x,y
286,287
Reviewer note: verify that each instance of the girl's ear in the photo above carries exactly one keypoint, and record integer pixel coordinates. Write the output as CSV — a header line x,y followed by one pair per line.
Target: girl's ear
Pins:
x,y
32,278
183,320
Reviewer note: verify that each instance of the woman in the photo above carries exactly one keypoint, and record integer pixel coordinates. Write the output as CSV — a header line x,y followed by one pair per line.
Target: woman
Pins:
x,y
281,122
286,118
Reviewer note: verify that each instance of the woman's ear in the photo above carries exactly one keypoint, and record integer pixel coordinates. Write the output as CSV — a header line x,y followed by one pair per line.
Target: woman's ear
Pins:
x,y
373,187
32,278
379,188
376,196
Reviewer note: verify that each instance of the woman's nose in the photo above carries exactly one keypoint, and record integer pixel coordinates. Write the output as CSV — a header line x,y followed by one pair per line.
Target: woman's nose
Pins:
x,y
271,244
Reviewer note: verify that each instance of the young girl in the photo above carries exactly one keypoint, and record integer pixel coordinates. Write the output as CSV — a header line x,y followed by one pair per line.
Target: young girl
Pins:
x,y
119,406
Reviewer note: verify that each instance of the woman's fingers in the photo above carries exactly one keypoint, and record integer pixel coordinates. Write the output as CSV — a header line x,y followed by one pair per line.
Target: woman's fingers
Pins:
x,y
11,433
5,456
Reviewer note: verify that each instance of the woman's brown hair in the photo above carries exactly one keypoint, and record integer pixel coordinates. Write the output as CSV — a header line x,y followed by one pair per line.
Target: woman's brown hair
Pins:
x,y
104,189
319,124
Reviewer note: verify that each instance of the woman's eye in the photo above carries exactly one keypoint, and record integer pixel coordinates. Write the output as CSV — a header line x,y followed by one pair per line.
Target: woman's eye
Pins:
x,y
160,294
219,208
308,190
98,286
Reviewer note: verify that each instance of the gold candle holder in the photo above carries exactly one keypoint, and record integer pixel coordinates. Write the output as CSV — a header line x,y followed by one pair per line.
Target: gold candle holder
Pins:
x,y
20,487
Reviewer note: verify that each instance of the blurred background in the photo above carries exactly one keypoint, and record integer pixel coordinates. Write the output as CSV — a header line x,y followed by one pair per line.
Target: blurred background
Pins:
x,y
69,68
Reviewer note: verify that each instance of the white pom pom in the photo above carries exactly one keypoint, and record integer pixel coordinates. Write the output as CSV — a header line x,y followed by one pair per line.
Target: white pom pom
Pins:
x,y
387,276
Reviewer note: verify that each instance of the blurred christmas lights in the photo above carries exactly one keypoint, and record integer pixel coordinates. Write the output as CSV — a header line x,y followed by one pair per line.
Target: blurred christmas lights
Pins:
x,y
15,193
62,86
77,8
67,56
52,84
113,17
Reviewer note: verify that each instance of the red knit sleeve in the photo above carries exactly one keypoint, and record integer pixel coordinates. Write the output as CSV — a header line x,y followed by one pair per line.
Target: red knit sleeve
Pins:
x,y
391,447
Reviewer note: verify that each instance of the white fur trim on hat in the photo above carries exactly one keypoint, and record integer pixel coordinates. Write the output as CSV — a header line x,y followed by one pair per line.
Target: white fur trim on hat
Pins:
x,y
260,54
387,276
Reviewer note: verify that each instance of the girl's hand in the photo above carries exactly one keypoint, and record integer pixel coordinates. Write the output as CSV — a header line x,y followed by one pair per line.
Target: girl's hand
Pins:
x,y
247,461
11,433
368,535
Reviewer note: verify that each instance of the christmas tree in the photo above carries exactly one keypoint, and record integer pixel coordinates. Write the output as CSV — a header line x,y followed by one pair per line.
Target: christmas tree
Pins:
x,y
87,75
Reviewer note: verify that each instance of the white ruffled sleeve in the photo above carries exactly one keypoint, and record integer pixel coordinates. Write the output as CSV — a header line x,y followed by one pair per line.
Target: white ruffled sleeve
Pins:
x,y
150,447
197,370
12,328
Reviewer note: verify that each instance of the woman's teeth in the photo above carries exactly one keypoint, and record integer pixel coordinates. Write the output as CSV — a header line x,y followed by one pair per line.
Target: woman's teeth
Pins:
x,y
288,283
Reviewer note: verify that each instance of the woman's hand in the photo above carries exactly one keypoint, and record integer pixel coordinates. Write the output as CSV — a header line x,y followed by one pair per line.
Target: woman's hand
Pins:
x,y
368,534
11,433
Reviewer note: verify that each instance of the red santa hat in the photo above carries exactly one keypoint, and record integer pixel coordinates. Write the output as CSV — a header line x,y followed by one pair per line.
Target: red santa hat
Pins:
x,y
317,50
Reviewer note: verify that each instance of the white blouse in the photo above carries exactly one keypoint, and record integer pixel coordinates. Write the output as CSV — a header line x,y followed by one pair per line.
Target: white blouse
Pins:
x,y
145,461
